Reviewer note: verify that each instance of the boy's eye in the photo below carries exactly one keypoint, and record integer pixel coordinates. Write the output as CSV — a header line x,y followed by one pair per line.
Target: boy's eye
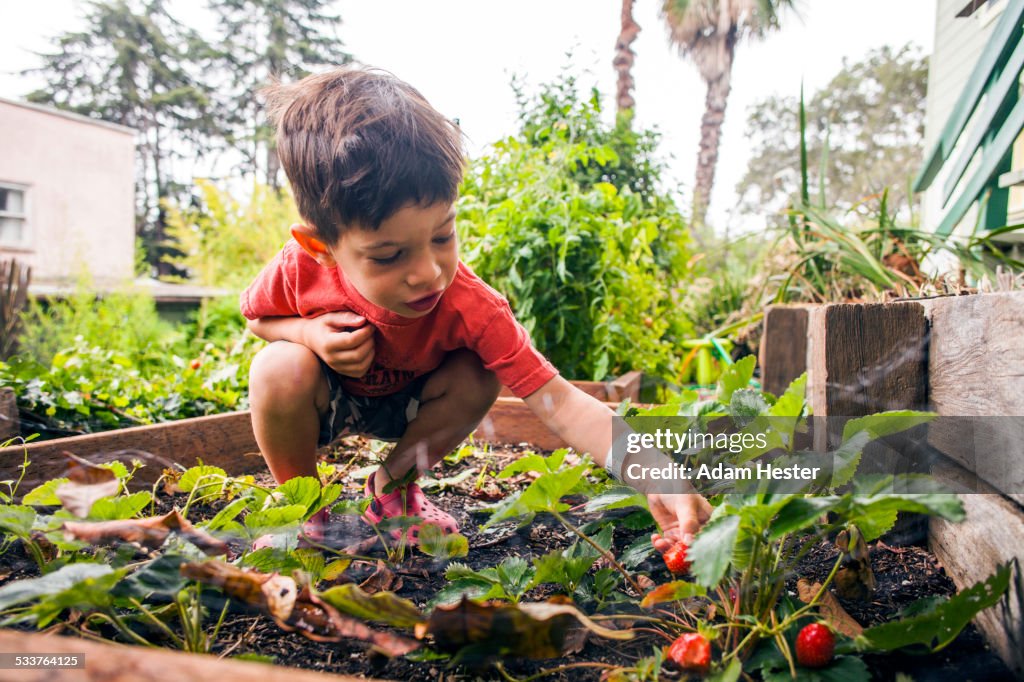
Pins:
x,y
388,260
445,239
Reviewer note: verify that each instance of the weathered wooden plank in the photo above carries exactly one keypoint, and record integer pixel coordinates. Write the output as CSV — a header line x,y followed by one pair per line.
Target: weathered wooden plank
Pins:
x,y
8,413
224,440
992,534
863,359
115,663
976,381
626,386
976,356
783,352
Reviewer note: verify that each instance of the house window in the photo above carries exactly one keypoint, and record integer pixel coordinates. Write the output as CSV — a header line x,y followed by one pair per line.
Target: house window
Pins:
x,y
13,215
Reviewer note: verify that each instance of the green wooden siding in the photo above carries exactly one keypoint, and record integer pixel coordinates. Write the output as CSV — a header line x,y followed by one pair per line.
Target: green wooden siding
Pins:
x,y
995,81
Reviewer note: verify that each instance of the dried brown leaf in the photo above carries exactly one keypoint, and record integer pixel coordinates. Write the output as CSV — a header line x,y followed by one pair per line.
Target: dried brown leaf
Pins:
x,y
831,609
303,612
536,630
87,483
149,533
381,580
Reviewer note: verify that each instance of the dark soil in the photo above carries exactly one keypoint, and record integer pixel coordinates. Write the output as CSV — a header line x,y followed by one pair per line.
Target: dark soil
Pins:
x,y
903,573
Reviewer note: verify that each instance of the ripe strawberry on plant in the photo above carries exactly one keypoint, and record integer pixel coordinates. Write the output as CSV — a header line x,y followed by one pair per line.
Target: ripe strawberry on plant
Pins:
x,y
691,651
675,558
815,646
195,364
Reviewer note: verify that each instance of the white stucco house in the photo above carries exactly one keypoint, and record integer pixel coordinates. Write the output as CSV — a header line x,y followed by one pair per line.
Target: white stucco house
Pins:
x,y
67,202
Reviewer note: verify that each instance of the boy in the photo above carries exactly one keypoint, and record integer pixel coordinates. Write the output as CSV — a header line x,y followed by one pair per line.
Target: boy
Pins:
x,y
384,331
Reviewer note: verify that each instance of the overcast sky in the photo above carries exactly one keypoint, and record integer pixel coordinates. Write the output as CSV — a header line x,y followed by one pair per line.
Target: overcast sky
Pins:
x,y
462,53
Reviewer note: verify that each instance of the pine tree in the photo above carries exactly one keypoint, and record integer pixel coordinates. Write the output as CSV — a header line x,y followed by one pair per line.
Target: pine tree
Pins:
x,y
135,65
263,41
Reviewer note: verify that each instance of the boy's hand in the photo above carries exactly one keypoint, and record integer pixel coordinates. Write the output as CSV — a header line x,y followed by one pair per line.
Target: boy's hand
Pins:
x,y
679,516
343,340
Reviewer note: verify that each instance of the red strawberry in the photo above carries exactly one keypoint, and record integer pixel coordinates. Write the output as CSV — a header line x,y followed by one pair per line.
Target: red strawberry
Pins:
x,y
675,558
691,651
815,646
195,364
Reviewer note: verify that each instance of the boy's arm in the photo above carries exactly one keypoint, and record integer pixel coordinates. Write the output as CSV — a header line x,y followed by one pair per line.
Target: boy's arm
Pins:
x,y
585,423
342,339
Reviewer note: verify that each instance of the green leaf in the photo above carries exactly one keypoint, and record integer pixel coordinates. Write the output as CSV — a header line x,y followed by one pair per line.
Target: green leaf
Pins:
x,y
124,507
842,669
51,584
735,377
271,560
274,520
745,404
515,575
617,497
800,513
544,494
225,515
17,519
161,576
381,607
537,463
433,541
731,673
711,551
637,552
886,423
44,494
301,490
938,626
208,477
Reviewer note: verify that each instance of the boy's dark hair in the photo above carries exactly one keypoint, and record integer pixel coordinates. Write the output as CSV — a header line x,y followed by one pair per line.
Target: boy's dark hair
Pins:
x,y
358,145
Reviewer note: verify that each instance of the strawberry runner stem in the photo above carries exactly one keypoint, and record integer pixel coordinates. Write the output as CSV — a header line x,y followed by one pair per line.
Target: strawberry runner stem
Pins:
x,y
602,551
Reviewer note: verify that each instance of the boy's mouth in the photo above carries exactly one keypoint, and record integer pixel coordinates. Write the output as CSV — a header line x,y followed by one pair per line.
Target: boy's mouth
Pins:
x,y
425,303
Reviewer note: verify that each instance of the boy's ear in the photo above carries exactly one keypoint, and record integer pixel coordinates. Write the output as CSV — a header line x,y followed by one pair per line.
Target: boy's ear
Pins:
x,y
311,244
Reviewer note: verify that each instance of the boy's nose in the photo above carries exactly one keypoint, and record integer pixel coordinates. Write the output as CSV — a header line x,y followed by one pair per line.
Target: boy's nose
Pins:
x,y
424,271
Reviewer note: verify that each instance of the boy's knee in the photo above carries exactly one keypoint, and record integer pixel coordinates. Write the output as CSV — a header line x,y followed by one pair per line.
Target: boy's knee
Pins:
x,y
473,379
287,371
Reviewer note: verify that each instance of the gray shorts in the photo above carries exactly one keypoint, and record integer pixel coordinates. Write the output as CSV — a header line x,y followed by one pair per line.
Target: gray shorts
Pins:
x,y
383,417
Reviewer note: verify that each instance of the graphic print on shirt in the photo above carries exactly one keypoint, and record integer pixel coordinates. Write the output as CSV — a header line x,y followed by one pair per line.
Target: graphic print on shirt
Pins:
x,y
380,380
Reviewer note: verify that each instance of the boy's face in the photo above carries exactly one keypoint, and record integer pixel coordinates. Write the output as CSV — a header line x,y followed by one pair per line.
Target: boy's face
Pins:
x,y
407,264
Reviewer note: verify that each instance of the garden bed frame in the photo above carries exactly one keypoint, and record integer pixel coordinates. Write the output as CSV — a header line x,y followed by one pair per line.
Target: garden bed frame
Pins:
x,y
959,356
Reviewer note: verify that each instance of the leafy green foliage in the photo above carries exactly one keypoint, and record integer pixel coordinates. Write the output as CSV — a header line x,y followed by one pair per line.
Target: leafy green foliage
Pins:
x,y
566,221
93,384
870,117
433,541
223,242
509,580
942,620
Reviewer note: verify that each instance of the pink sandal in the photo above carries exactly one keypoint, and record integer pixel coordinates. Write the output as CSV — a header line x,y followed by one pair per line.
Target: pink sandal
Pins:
x,y
390,505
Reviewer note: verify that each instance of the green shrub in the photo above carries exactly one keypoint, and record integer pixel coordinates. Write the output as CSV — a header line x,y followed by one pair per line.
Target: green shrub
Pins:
x,y
225,242
566,221
126,321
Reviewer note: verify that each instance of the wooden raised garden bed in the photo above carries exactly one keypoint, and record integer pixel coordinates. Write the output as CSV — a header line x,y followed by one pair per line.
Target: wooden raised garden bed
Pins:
x,y
959,356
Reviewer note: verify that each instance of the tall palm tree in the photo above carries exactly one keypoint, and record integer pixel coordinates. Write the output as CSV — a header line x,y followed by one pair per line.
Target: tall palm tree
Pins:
x,y
623,61
707,31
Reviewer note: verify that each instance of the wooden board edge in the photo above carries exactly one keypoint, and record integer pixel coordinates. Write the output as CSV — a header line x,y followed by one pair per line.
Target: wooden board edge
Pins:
x,y
121,663
970,551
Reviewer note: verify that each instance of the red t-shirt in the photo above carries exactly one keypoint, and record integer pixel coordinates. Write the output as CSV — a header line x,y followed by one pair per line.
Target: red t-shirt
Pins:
x,y
469,315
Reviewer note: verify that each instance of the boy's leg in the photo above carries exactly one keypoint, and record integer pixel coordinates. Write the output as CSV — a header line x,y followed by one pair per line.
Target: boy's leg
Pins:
x,y
454,399
287,393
